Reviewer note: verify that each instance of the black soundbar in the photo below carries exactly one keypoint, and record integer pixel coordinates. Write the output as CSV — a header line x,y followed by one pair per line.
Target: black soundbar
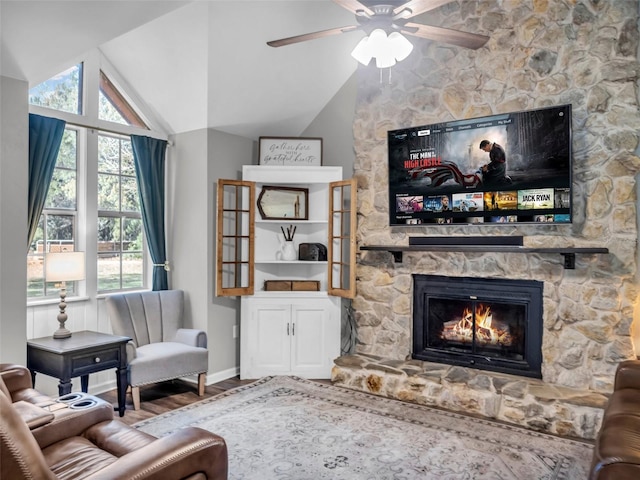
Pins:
x,y
515,240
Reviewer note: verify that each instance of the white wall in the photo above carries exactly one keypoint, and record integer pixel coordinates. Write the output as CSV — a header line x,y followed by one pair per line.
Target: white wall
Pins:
x,y
335,125
14,168
196,162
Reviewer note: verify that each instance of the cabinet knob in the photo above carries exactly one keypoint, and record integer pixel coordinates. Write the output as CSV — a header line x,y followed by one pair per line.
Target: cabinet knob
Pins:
x,y
96,360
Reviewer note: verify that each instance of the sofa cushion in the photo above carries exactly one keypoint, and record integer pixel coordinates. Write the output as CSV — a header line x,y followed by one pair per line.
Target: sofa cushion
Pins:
x,y
75,458
117,438
156,362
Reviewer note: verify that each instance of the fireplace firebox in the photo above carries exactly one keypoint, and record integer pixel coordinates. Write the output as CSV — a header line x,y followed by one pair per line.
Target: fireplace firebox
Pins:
x,y
484,323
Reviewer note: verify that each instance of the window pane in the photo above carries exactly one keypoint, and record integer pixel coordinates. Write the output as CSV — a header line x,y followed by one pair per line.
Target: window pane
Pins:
x,y
37,245
67,156
114,107
130,200
132,270
108,272
132,234
61,92
35,275
62,190
127,166
108,111
109,154
108,192
108,234
60,233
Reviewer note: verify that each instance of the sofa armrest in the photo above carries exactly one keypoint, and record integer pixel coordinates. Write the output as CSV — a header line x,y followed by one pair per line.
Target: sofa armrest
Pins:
x,y
186,452
628,375
33,415
71,422
15,377
192,337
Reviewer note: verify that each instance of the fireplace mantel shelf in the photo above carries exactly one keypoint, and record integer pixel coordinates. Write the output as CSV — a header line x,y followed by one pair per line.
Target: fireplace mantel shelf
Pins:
x,y
569,253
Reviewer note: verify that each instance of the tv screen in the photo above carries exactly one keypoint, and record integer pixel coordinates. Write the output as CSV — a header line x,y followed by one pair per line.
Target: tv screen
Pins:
x,y
506,168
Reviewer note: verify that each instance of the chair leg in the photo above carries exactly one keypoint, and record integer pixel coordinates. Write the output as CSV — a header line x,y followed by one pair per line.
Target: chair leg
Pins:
x,y
135,395
201,380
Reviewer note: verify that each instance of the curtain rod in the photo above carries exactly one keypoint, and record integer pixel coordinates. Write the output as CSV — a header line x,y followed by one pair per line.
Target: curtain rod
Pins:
x,y
93,127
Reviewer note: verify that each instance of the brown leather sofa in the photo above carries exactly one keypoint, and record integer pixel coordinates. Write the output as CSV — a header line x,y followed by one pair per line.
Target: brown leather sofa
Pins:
x,y
616,455
77,437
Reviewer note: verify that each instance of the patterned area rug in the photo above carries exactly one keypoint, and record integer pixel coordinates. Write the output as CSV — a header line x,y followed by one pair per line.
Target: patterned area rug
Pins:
x,y
295,429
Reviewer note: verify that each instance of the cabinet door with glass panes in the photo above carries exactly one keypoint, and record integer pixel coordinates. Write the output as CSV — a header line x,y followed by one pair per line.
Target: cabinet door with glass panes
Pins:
x,y
298,207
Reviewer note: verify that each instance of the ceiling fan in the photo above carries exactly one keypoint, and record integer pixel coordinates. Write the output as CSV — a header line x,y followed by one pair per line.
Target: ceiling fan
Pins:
x,y
393,20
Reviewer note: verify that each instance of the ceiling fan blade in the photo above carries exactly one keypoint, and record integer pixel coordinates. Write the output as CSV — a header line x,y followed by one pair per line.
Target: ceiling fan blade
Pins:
x,y
446,35
355,6
311,36
416,7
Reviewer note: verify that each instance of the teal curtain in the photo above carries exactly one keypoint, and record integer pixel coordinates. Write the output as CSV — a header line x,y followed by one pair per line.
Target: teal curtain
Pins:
x,y
45,137
149,159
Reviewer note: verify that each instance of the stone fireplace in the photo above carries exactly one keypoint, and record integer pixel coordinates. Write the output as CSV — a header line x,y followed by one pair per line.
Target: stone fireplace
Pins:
x,y
540,53
484,323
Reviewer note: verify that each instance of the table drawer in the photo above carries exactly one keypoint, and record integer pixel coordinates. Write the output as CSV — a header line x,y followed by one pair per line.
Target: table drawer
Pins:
x,y
95,361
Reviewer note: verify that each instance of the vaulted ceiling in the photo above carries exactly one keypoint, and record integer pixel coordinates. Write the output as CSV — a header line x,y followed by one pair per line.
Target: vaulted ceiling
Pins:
x,y
195,64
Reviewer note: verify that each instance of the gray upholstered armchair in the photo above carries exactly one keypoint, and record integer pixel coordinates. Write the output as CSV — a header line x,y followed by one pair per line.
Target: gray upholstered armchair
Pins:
x,y
160,349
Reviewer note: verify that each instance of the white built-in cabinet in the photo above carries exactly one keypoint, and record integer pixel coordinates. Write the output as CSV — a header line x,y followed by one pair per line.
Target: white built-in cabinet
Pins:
x,y
287,332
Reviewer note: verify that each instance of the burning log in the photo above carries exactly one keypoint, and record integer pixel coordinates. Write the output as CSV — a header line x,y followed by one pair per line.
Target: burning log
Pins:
x,y
487,331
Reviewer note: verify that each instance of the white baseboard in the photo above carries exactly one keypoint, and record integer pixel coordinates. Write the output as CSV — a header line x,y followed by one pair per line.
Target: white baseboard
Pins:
x,y
211,379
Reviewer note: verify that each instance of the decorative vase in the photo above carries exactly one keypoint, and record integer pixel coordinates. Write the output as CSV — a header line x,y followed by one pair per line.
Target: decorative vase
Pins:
x,y
287,251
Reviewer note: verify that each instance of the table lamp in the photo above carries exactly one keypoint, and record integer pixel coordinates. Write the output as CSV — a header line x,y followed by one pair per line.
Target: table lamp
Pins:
x,y
64,267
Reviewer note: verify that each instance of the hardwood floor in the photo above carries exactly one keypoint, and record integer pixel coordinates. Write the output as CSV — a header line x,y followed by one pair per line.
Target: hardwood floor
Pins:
x,y
163,397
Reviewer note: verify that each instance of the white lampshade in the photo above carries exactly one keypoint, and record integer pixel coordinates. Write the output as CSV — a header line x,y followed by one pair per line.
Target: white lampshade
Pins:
x,y
65,267
400,46
362,52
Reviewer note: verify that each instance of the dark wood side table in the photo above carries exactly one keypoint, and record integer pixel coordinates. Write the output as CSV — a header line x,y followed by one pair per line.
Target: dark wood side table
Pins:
x,y
81,354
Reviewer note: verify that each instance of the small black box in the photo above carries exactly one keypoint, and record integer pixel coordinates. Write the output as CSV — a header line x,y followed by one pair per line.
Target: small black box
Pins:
x,y
315,252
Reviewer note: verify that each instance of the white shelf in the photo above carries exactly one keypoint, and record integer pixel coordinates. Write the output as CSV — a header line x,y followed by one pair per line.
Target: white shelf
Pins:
x,y
292,262
289,294
292,220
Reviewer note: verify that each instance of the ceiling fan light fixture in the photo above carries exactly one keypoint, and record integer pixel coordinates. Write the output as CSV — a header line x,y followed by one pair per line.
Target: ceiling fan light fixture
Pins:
x,y
385,49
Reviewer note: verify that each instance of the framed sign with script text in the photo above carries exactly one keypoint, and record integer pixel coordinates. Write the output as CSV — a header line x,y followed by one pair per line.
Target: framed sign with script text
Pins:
x,y
301,151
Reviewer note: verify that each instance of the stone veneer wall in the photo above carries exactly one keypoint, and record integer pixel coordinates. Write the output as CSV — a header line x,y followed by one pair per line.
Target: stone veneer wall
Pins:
x,y
541,53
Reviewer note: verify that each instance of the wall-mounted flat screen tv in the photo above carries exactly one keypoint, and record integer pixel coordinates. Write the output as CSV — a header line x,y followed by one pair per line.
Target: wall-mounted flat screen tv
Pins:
x,y
506,168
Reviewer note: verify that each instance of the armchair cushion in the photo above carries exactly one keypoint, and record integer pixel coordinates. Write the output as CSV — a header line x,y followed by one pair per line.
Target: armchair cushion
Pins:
x,y
157,362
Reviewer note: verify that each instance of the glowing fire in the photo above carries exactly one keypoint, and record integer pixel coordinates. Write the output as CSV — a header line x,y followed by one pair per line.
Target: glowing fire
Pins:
x,y
488,330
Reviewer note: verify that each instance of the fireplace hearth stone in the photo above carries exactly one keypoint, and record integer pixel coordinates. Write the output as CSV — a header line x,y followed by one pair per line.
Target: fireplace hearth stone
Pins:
x,y
523,401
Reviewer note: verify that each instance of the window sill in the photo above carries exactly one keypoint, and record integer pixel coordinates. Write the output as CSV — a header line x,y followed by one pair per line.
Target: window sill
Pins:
x,y
56,301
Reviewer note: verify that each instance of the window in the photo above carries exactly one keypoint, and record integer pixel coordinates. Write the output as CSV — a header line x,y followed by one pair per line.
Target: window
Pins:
x,y
62,92
93,203
57,226
120,238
